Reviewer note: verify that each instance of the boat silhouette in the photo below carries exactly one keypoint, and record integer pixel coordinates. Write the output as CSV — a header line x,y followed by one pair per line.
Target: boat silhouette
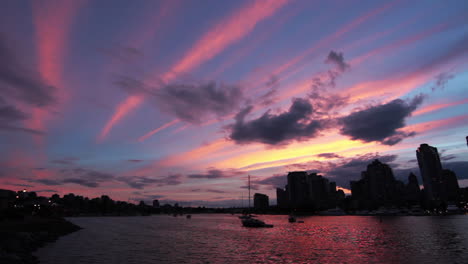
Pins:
x,y
249,220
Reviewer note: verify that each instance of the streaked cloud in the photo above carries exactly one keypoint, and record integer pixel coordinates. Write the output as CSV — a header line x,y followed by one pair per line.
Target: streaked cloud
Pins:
x,y
225,33
381,122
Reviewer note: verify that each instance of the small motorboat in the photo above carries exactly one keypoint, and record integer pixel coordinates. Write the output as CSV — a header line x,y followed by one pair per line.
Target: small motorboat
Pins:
x,y
244,216
253,222
291,219
188,216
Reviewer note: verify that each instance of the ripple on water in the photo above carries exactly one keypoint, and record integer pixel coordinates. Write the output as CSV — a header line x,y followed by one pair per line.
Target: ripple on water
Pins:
x,y
222,239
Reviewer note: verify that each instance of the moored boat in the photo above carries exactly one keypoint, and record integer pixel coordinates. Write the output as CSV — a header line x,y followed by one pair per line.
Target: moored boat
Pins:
x,y
253,222
248,220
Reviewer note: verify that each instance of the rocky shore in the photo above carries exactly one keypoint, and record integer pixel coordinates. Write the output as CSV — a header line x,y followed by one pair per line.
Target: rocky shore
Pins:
x,y
20,237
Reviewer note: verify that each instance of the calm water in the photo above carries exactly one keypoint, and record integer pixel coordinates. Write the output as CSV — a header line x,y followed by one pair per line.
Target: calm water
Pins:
x,y
222,239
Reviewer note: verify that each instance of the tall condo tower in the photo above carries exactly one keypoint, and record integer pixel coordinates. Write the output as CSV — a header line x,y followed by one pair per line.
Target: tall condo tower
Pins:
x,y
431,171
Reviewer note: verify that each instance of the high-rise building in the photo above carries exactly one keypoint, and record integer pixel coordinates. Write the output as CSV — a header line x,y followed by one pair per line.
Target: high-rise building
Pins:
x,y
451,187
155,204
310,191
377,186
431,171
261,201
282,198
298,191
412,190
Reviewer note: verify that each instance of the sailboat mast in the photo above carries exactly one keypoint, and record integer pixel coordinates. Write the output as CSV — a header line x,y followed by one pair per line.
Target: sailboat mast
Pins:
x,y
249,191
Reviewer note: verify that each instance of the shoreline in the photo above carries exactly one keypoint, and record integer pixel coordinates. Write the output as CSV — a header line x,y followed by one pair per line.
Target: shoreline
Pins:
x,y
21,237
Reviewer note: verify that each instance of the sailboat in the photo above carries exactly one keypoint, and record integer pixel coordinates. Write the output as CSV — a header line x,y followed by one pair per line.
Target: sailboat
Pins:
x,y
248,220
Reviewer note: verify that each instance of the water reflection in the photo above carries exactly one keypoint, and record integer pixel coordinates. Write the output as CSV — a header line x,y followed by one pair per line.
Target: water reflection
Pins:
x,y
222,239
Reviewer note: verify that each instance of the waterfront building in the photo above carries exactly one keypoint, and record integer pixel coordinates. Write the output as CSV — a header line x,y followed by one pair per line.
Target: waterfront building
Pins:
x,y
7,199
298,191
310,191
377,186
431,172
282,198
450,185
412,190
156,204
319,191
261,201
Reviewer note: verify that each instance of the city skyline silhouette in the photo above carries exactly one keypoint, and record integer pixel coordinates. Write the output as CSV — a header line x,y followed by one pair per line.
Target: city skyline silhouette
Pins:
x,y
182,99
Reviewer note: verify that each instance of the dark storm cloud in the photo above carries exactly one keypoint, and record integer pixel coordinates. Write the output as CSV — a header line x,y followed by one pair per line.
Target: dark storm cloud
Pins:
x,y
93,179
329,155
194,103
208,190
10,116
294,124
18,82
84,182
49,182
132,85
80,176
328,78
397,137
47,191
85,177
98,176
337,59
326,103
140,182
215,174
19,184
269,97
154,196
135,160
381,122
190,102
441,80
275,181
273,81
340,66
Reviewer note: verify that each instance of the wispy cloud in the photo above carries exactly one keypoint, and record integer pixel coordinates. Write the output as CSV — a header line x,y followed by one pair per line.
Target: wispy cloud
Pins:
x,y
52,22
225,33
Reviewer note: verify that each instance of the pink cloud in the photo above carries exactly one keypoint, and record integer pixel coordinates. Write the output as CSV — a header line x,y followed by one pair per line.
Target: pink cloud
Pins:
x,y
235,27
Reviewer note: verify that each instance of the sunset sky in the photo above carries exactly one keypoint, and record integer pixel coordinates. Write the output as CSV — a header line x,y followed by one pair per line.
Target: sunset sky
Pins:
x,y
181,100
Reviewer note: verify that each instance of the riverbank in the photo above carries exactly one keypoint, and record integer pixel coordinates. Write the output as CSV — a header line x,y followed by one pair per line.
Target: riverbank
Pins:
x,y
20,237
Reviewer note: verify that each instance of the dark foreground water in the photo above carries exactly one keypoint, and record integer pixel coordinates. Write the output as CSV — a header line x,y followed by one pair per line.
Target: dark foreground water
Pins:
x,y
222,239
